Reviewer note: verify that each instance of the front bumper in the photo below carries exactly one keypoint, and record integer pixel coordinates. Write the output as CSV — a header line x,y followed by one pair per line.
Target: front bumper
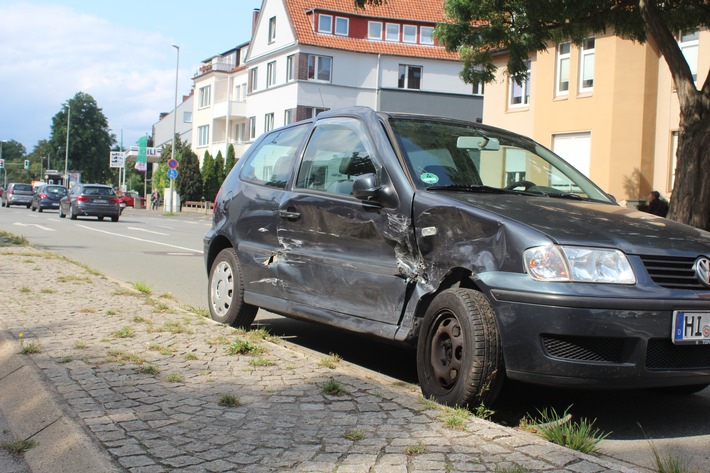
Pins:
x,y
593,340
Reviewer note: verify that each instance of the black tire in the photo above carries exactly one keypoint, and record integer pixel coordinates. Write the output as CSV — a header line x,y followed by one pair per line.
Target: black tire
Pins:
x,y
72,215
39,209
29,205
459,355
101,218
225,292
114,218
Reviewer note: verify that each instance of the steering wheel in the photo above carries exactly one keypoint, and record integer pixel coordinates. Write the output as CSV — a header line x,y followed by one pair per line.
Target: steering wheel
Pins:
x,y
526,184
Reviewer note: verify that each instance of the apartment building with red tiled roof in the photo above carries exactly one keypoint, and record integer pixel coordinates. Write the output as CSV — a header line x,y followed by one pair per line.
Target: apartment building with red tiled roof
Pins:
x,y
305,56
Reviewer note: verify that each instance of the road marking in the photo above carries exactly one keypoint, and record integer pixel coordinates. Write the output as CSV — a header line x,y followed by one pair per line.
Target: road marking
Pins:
x,y
46,229
147,231
142,239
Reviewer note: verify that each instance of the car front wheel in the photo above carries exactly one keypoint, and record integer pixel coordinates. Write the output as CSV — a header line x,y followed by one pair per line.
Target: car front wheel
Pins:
x,y
459,354
226,292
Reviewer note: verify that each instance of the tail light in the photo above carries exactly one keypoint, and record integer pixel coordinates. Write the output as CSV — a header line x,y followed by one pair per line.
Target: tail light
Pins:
x,y
43,196
115,200
83,198
216,198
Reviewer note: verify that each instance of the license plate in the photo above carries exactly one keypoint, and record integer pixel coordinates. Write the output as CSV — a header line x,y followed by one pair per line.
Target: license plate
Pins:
x,y
100,201
691,328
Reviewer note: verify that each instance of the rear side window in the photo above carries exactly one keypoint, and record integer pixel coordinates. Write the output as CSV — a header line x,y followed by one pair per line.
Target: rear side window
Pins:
x,y
271,163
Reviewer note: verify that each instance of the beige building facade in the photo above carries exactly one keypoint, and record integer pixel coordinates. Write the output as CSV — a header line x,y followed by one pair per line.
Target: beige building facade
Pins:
x,y
607,106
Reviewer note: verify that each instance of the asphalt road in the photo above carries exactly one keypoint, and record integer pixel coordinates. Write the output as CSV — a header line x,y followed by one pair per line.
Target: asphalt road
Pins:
x,y
166,253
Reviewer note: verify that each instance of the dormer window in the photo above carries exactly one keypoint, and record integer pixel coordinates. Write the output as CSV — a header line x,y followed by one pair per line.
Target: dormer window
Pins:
x,y
374,30
325,24
342,26
392,32
409,34
426,35
272,29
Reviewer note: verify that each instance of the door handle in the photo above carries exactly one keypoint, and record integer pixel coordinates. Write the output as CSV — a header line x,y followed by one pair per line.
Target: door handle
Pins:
x,y
289,214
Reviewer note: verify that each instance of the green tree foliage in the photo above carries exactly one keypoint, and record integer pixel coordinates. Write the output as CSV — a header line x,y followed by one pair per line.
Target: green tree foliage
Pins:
x,y
219,169
90,139
13,152
231,160
209,177
189,181
478,29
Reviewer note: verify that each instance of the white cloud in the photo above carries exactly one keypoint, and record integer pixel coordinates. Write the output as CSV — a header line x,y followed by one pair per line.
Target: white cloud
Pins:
x,y
48,53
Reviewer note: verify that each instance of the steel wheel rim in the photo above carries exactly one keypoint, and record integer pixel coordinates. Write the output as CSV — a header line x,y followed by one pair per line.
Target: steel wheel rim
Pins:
x,y
446,350
222,288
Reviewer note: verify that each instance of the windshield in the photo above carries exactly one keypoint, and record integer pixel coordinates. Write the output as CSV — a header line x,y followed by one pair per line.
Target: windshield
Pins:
x,y
454,155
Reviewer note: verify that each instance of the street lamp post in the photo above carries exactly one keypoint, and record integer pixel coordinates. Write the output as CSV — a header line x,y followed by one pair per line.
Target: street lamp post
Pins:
x,y
172,151
66,151
4,168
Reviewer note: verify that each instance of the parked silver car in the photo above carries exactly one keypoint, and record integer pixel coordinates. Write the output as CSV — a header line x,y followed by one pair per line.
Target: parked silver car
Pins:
x,y
17,193
90,200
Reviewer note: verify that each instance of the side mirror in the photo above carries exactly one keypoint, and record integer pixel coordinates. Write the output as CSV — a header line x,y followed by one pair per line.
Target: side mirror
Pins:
x,y
365,187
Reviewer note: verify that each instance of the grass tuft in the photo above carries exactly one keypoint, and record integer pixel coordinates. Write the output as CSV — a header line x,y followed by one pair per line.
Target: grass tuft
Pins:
x,y
243,347
333,387
559,429
18,447
142,287
229,400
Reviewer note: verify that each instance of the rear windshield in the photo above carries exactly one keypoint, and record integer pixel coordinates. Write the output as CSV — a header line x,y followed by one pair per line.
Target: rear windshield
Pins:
x,y
22,187
59,190
98,191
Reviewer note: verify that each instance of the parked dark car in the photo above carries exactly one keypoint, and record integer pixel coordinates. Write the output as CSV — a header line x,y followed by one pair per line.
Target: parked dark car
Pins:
x,y
484,249
17,193
47,196
90,200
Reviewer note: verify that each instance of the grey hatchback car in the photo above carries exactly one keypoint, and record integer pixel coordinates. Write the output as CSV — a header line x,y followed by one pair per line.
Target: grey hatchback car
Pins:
x,y
90,200
486,251
17,193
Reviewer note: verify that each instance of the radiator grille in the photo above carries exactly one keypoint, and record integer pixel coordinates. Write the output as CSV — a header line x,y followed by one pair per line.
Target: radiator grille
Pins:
x,y
662,354
672,272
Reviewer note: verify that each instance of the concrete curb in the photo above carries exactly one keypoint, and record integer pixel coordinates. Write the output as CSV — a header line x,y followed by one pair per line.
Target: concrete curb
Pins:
x,y
33,412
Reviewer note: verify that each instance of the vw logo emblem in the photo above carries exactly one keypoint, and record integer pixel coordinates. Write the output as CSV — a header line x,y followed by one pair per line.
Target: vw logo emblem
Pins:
x,y
702,270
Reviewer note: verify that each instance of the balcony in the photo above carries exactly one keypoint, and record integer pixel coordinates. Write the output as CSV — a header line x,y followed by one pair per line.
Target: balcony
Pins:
x,y
216,66
236,109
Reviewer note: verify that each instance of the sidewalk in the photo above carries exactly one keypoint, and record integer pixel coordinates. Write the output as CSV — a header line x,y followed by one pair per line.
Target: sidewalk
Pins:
x,y
125,381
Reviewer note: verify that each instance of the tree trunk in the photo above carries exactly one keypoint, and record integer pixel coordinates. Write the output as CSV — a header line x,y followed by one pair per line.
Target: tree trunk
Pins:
x,y
690,202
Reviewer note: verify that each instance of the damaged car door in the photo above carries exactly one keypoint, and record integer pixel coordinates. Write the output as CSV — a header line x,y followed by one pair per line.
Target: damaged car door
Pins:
x,y
339,252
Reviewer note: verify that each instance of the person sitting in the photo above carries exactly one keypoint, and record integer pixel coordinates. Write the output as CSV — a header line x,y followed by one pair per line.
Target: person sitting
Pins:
x,y
656,206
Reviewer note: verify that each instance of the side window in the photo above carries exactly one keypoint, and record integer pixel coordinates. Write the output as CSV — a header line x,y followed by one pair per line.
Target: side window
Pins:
x,y
270,164
337,152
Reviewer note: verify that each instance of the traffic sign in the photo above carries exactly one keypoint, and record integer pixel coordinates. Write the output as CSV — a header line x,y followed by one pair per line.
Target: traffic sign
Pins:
x,y
172,174
173,163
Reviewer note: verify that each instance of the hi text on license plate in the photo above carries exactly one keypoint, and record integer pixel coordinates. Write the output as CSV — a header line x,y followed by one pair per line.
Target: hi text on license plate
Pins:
x,y
691,328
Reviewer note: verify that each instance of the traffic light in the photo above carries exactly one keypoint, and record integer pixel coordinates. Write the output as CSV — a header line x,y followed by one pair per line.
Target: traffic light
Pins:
x,y
2,163
27,163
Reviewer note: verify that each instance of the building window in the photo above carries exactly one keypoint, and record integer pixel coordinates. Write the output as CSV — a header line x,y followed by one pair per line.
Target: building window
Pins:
x,y
688,42
272,29
520,93
205,97
374,30
252,128
342,26
203,135
392,32
426,35
271,74
325,24
268,122
288,116
319,67
563,60
187,117
409,34
312,112
410,77
477,88
586,75
673,160
253,77
290,63
242,133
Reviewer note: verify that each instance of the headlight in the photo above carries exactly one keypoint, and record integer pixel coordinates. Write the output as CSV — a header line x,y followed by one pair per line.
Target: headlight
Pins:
x,y
578,264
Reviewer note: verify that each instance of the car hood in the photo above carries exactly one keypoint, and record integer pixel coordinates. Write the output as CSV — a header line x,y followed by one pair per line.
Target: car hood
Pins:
x,y
584,223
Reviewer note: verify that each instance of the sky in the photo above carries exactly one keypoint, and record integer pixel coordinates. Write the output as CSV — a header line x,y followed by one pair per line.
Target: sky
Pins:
x,y
119,52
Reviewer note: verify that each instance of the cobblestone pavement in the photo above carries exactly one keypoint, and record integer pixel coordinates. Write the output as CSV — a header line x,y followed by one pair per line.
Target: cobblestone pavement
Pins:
x,y
150,380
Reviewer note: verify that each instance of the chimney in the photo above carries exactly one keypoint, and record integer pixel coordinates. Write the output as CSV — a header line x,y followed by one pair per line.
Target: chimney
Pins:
x,y
254,20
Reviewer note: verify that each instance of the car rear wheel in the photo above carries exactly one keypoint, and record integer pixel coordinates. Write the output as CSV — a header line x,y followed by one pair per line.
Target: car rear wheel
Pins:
x,y
226,292
459,354
114,218
101,218
72,215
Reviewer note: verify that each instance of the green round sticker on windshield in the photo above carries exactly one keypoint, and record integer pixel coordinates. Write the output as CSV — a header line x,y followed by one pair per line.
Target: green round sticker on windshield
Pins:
x,y
429,178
